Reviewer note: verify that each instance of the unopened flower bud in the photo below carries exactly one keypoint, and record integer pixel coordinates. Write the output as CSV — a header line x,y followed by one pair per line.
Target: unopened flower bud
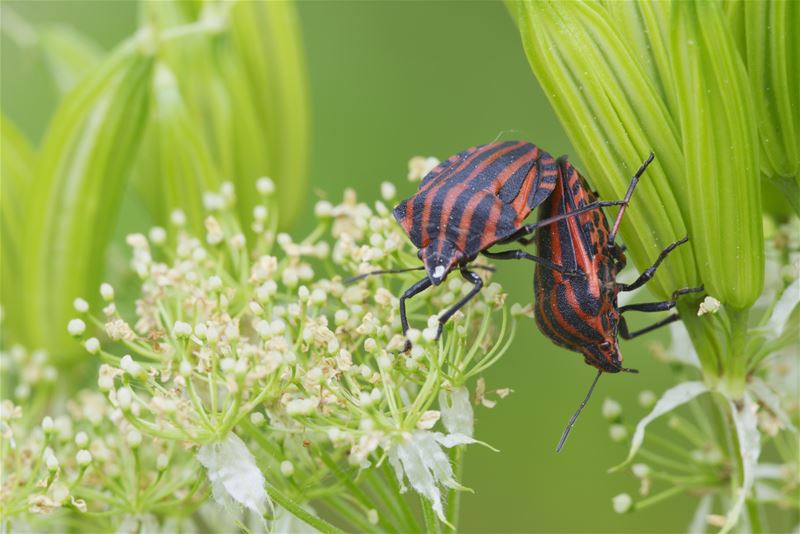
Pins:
x,y
134,438
76,327
80,305
611,409
92,345
265,186
622,503
83,457
287,468
107,292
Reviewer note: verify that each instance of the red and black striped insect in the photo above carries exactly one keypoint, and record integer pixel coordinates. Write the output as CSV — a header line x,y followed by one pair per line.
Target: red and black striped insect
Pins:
x,y
472,201
581,313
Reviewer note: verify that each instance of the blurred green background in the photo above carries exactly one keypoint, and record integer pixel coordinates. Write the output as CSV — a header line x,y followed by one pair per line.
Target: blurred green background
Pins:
x,y
389,81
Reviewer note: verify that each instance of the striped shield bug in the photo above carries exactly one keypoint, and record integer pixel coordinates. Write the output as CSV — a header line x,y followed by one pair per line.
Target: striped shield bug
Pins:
x,y
476,199
581,313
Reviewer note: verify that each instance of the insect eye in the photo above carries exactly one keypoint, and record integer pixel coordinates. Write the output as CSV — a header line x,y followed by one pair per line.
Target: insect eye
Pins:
x,y
605,344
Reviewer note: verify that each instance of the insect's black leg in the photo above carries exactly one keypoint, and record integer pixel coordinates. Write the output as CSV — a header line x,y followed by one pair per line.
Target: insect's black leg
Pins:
x,y
660,306
522,234
635,180
418,287
623,326
651,271
477,283
519,254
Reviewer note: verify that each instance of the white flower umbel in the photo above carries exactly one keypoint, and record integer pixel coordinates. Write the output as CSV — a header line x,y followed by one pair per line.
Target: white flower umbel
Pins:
x,y
234,475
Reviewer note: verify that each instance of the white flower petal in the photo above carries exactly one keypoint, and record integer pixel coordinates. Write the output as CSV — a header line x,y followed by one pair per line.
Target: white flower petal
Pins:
x,y
451,440
234,475
749,449
672,398
419,476
783,308
698,524
762,391
682,348
457,414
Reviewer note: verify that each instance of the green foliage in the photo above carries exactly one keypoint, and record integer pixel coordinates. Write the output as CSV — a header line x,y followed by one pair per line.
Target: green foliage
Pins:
x,y
16,169
662,81
204,91
77,190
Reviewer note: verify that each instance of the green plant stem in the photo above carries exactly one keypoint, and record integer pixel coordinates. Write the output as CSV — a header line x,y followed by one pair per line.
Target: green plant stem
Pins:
x,y
737,358
431,523
666,494
453,495
300,513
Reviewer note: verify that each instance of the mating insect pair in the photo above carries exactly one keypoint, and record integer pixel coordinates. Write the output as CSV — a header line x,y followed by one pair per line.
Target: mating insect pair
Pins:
x,y
480,198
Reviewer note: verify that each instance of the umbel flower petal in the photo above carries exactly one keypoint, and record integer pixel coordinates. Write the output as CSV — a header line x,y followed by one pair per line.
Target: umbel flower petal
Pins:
x,y
234,475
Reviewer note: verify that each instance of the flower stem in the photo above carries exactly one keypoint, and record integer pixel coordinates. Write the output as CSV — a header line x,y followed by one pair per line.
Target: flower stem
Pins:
x,y
454,496
300,513
431,523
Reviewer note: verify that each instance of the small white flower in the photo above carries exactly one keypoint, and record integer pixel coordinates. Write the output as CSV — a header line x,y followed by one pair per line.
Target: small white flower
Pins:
x,y
124,398
640,470
182,329
287,468
51,461
323,209
617,432
647,398
76,327
611,409
419,166
260,213
214,283
162,461
92,345
388,191
178,218
622,503
107,292
81,439
80,305
134,438
709,305
265,186
83,457
157,235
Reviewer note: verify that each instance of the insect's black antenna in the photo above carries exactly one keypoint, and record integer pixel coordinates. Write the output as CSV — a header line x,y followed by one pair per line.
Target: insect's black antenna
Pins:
x,y
574,417
628,195
386,271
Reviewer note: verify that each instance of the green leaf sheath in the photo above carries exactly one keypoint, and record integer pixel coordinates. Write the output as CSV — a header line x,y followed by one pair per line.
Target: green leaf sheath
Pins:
x,y
69,55
615,112
174,167
16,176
244,88
720,146
267,38
629,77
82,174
772,53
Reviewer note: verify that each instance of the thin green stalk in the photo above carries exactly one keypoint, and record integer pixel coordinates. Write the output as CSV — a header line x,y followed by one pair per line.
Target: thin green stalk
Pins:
x,y
454,496
431,523
300,513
